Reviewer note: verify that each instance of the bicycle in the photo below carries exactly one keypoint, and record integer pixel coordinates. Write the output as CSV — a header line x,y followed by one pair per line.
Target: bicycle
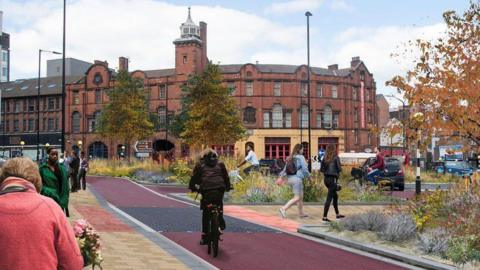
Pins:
x,y
213,233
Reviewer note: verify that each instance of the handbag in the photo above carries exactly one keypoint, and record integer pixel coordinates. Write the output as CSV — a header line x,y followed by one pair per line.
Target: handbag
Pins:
x,y
280,181
338,187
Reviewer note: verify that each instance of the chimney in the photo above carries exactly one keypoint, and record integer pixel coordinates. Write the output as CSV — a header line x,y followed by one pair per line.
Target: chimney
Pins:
x,y
203,37
256,62
355,61
122,63
333,67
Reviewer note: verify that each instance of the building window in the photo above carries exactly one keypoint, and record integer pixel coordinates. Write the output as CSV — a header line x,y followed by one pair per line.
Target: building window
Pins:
x,y
354,93
303,89
45,104
31,105
184,59
51,103
44,124
327,117
76,98
369,138
319,90
362,76
304,116
25,105
17,106
266,119
319,119
75,122
51,124
98,96
277,89
162,117
336,116
355,114
277,148
288,119
367,94
232,88
4,56
334,92
277,116
369,116
57,102
249,115
357,141
249,89
249,74
57,123
25,128
162,92
7,106
16,125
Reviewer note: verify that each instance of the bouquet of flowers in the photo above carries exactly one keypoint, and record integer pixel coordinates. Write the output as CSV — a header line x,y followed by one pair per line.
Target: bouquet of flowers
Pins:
x,y
89,242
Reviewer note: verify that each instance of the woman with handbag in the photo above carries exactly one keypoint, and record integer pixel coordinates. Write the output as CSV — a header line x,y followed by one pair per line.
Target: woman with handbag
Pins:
x,y
296,170
331,169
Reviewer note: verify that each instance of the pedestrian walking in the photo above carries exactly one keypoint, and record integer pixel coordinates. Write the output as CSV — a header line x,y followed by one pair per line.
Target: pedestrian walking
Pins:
x,y
74,169
331,169
295,170
34,229
252,159
83,171
55,180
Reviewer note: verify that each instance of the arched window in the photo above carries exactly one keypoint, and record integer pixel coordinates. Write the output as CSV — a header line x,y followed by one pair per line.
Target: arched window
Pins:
x,y
277,116
75,122
249,74
249,115
303,119
327,117
98,150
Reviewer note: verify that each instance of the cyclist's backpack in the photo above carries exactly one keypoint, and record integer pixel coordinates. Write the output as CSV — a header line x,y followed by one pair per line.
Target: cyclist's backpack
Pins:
x,y
291,167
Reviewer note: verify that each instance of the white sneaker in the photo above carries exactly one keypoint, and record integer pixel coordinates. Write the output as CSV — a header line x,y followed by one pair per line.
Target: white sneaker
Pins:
x,y
282,213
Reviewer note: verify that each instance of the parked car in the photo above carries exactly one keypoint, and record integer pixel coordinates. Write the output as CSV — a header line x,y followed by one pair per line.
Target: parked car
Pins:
x,y
459,168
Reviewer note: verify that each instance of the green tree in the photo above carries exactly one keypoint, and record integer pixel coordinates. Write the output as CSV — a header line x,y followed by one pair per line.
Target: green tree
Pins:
x,y
209,114
126,118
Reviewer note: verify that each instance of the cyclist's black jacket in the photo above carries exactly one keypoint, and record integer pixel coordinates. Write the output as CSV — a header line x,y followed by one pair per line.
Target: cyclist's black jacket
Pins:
x,y
210,175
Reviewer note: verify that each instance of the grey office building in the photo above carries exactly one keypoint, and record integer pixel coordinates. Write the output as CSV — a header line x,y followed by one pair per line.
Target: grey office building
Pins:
x,y
4,53
73,67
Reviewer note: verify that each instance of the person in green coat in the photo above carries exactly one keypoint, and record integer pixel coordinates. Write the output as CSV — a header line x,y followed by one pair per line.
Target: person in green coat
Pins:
x,y
55,180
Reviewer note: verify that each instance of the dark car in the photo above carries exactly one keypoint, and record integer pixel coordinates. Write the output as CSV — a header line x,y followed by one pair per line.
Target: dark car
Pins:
x,y
272,166
459,168
393,170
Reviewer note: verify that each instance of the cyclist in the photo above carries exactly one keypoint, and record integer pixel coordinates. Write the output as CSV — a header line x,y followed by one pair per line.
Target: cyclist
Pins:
x,y
376,168
210,178
250,158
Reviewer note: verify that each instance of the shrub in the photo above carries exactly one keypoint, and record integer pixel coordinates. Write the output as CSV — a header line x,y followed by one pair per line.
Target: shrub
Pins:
x,y
398,228
255,194
353,223
434,242
313,188
149,176
462,249
373,221
181,172
337,226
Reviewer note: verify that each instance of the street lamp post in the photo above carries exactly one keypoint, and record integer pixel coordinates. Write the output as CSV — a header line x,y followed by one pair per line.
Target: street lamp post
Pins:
x,y
308,14
38,97
63,78
22,143
418,118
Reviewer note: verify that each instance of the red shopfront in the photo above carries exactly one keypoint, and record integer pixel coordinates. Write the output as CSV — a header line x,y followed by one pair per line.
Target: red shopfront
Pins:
x,y
277,148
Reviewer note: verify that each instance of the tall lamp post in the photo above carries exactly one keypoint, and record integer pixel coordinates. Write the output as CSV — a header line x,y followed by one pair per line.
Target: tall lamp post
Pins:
x,y
308,14
38,97
418,120
63,78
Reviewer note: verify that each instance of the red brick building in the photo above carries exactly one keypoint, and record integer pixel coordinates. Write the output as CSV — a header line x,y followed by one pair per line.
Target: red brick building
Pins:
x,y
270,98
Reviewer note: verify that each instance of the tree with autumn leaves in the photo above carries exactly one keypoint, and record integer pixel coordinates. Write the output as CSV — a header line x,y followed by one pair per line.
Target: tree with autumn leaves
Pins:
x,y
444,83
209,114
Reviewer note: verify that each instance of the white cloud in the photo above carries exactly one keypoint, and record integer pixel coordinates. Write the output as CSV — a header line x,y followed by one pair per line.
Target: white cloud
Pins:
x,y
341,5
375,46
293,6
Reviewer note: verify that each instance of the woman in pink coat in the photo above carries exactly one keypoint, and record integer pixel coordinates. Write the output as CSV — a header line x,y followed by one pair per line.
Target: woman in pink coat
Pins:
x,y
34,231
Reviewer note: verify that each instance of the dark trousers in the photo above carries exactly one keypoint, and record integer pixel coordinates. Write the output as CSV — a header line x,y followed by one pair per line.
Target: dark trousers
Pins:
x,y
252,168
211,197
74,181
82,179
331,183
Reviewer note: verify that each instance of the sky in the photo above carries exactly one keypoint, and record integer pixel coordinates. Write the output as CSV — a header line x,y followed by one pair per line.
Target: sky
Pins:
x,y
270,32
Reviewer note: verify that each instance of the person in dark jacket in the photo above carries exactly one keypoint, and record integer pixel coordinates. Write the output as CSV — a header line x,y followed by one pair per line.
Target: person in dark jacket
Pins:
x,y
331,169
74,168
377,167
210,178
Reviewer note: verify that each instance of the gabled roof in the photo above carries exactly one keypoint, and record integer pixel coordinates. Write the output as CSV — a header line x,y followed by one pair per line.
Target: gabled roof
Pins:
x,y
28,87
159,72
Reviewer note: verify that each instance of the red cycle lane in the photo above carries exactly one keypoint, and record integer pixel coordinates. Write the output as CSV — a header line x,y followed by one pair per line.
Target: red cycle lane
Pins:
x,y
245,246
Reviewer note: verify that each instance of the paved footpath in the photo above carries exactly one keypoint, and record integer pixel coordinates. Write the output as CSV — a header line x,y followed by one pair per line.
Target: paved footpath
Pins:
x,y
246,245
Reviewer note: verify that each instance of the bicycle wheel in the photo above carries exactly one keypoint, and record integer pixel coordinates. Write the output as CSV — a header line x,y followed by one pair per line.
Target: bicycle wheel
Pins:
x,y
215,233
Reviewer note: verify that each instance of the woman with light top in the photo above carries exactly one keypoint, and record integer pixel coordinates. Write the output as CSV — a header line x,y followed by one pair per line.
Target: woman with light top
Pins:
x,y
295,178
252,159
